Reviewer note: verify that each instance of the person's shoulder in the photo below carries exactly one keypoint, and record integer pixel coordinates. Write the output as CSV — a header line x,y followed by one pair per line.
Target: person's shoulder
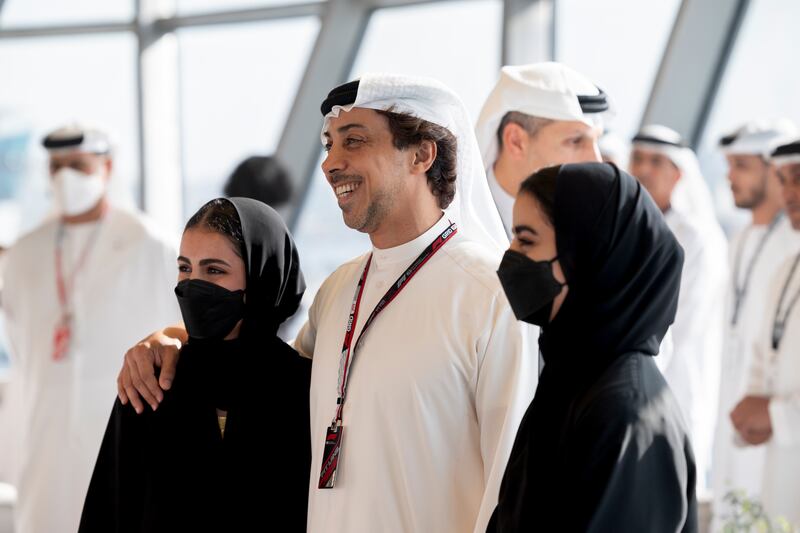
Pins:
x,y
620,389
137,227
34,236
633,393
475,262
31,244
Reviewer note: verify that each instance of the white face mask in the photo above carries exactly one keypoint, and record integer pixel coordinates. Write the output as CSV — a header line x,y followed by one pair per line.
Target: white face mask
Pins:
x,y
77,192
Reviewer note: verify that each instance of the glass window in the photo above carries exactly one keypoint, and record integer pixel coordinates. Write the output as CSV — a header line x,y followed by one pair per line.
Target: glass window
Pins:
x,y
760,82
237,87
53,12
466,58
618,44
187,7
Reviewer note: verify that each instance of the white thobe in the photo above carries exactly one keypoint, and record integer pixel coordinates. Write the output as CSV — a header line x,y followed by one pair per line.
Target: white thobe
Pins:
x,y
503,201
740,467
776,373
692,371
61,408
436,394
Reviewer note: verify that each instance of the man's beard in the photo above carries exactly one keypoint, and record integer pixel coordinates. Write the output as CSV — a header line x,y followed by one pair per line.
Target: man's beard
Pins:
x,y
757,195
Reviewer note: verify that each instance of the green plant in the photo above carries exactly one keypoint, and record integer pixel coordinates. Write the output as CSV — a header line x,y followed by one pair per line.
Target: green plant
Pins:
x,y
748,516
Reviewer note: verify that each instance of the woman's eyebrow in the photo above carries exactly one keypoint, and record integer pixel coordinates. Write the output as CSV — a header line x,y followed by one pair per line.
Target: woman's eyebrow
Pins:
x,y
210,261
522,227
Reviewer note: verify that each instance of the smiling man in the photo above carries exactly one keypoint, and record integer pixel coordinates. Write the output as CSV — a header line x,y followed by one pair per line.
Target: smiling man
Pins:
x,y
421,373
430,399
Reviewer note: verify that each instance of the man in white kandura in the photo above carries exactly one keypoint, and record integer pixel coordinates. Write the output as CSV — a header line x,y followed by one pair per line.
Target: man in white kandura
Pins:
x,y
669,170
537,115
769,414
756,252
421,372
78,289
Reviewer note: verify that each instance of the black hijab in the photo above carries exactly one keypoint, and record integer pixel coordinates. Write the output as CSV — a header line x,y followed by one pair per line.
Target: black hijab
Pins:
x,y
275,284
622,265
172,469
273,290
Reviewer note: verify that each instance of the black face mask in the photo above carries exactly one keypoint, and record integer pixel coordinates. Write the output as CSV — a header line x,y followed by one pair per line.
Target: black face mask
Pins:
x,y
529,286
209,311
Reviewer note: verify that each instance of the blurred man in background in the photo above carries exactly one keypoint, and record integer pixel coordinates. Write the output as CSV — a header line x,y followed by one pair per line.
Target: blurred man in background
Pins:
x,y
77,290
669,170
537,115
770,412
756,252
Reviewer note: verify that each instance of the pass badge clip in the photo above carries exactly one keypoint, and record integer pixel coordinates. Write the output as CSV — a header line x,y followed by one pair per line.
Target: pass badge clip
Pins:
x,y
330,457
61,338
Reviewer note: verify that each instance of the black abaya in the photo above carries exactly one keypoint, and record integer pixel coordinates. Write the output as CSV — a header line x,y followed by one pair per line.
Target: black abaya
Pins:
x,y
603,447
172,470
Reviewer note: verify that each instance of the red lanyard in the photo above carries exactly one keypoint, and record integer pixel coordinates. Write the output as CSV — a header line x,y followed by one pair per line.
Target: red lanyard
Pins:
x,y
61,283
349,351
63,332
333,438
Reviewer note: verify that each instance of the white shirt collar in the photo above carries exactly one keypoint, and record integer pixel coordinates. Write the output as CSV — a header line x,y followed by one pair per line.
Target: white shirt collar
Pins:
x,y
405,253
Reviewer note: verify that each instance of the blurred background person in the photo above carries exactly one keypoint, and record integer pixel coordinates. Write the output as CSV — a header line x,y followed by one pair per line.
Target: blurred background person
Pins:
x,y
669,171
261,178
536,116
77,289
769,414
755,253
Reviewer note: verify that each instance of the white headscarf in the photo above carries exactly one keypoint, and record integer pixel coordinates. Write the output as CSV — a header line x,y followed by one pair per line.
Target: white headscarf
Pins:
x,y
546,90
691,195
77,138
759,137
472,208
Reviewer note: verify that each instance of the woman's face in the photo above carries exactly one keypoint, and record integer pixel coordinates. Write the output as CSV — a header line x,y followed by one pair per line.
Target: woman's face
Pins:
x,y
209,256
535,237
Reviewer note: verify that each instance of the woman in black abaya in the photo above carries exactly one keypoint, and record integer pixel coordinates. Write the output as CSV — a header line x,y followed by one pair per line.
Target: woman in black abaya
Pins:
x,y
602,446
225,450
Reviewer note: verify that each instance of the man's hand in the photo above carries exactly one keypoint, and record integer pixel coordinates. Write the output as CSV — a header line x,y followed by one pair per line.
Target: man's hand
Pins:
x,y
137,380
751,419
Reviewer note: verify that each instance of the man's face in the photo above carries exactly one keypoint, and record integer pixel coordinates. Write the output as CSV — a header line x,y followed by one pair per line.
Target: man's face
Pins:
x,y
657,173
85,162
789,176
750,177
367,173
561,142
